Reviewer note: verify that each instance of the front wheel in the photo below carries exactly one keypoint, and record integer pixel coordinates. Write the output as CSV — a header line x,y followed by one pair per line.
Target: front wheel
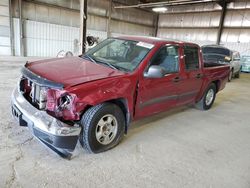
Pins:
x,y
102,127
208,98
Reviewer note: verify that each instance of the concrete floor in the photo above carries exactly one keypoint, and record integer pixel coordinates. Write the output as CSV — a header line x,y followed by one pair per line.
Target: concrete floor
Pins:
x,y
181,148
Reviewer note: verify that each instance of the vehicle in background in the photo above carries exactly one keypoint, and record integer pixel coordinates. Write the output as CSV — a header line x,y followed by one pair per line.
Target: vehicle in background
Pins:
x,y
222,55
94,97
236,64
245,64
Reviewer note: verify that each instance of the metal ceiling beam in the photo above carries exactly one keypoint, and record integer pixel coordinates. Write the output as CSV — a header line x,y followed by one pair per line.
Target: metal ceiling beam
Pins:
x,y
165,3
125,4
51,5
223,4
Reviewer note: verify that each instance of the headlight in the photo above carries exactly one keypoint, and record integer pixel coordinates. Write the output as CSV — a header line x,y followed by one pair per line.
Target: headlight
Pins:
x,y
64,102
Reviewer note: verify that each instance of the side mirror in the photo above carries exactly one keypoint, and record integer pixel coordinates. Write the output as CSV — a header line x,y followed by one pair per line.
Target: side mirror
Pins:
x,y
155,71
227,58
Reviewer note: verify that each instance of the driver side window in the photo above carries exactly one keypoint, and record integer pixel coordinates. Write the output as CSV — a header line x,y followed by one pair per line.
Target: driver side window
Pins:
x,y
167,57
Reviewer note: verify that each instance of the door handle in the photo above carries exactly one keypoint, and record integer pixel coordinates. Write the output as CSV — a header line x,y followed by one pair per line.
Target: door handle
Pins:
x,y
176,79
198,75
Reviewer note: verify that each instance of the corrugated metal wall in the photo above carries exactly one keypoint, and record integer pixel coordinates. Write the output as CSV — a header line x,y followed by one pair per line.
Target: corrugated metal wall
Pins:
x,y
197,23
5,43
236,34
50,25
200,24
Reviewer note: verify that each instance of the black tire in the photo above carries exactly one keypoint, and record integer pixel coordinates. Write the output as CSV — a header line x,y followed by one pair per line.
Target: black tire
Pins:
x,y
237,75
89,122
230,77
202,105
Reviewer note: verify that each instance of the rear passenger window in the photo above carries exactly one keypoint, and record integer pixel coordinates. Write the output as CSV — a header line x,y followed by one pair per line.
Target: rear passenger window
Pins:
x,y
191,55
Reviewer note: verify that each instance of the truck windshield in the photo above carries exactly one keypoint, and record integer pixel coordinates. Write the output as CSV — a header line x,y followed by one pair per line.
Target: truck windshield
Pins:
x,y
120,54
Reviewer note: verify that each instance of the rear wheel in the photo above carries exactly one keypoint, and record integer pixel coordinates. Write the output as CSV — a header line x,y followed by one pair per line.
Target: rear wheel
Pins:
x,y
207,100
103,127
230,77
237,75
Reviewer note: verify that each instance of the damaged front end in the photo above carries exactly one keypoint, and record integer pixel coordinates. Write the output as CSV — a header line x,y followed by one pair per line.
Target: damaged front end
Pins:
x,y
49,112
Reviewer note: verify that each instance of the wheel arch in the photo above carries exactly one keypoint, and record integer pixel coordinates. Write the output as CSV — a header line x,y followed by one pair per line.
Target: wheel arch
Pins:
x,y
217,84
122,103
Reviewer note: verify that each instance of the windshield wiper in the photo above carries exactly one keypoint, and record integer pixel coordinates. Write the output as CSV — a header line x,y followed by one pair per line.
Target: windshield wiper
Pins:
x,y
109,64
90,58
102,62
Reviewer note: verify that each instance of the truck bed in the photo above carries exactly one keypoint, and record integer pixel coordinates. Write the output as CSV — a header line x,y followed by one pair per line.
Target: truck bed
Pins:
x,y
213,64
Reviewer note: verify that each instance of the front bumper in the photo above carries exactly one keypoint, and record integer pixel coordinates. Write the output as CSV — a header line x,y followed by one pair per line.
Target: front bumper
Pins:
x,y
51,131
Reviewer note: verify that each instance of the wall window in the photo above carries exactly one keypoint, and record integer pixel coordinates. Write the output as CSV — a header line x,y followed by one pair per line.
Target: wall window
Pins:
x,y
191,55
168,58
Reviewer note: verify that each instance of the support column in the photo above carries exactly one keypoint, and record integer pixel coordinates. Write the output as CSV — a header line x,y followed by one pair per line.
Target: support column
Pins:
x,y
11,30
156,24
21,28
83,25
223,4
109,19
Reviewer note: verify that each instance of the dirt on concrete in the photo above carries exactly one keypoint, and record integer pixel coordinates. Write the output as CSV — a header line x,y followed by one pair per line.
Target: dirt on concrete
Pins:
x,y
184,147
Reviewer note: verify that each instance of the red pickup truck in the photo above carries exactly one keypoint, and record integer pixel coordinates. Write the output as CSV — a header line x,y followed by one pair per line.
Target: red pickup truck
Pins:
x,y
94,97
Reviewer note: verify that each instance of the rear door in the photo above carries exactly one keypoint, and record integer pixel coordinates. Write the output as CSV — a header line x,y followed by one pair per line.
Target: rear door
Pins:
x,y
191,74
158,94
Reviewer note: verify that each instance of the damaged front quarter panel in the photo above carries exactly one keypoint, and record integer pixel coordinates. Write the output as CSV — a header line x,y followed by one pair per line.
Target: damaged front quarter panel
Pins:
x,y
64,105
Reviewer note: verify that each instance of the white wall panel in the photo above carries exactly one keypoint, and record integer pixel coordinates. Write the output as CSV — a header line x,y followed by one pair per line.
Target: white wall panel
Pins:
x,y
237,18
48,29
97,23
4,2
5,50
5,47
4,41
130,29
44,39
200,19
236,35
243,48
193,35
133,16
4,21
16,37
4,10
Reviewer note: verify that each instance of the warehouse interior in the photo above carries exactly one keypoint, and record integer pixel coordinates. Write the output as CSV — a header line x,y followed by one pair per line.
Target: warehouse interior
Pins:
x,y
182,147
48,26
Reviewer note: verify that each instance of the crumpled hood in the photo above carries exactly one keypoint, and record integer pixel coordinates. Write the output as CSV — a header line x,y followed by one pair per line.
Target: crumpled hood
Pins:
x,y
71,71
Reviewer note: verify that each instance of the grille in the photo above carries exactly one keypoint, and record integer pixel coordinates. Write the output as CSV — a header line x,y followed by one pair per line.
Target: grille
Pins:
x,y
35,93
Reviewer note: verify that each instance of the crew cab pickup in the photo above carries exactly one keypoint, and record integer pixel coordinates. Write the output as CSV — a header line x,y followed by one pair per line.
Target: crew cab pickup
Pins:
x,y
94,97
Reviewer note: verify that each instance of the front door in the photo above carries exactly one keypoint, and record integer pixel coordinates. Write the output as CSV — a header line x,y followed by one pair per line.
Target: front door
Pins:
x,y
158,94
